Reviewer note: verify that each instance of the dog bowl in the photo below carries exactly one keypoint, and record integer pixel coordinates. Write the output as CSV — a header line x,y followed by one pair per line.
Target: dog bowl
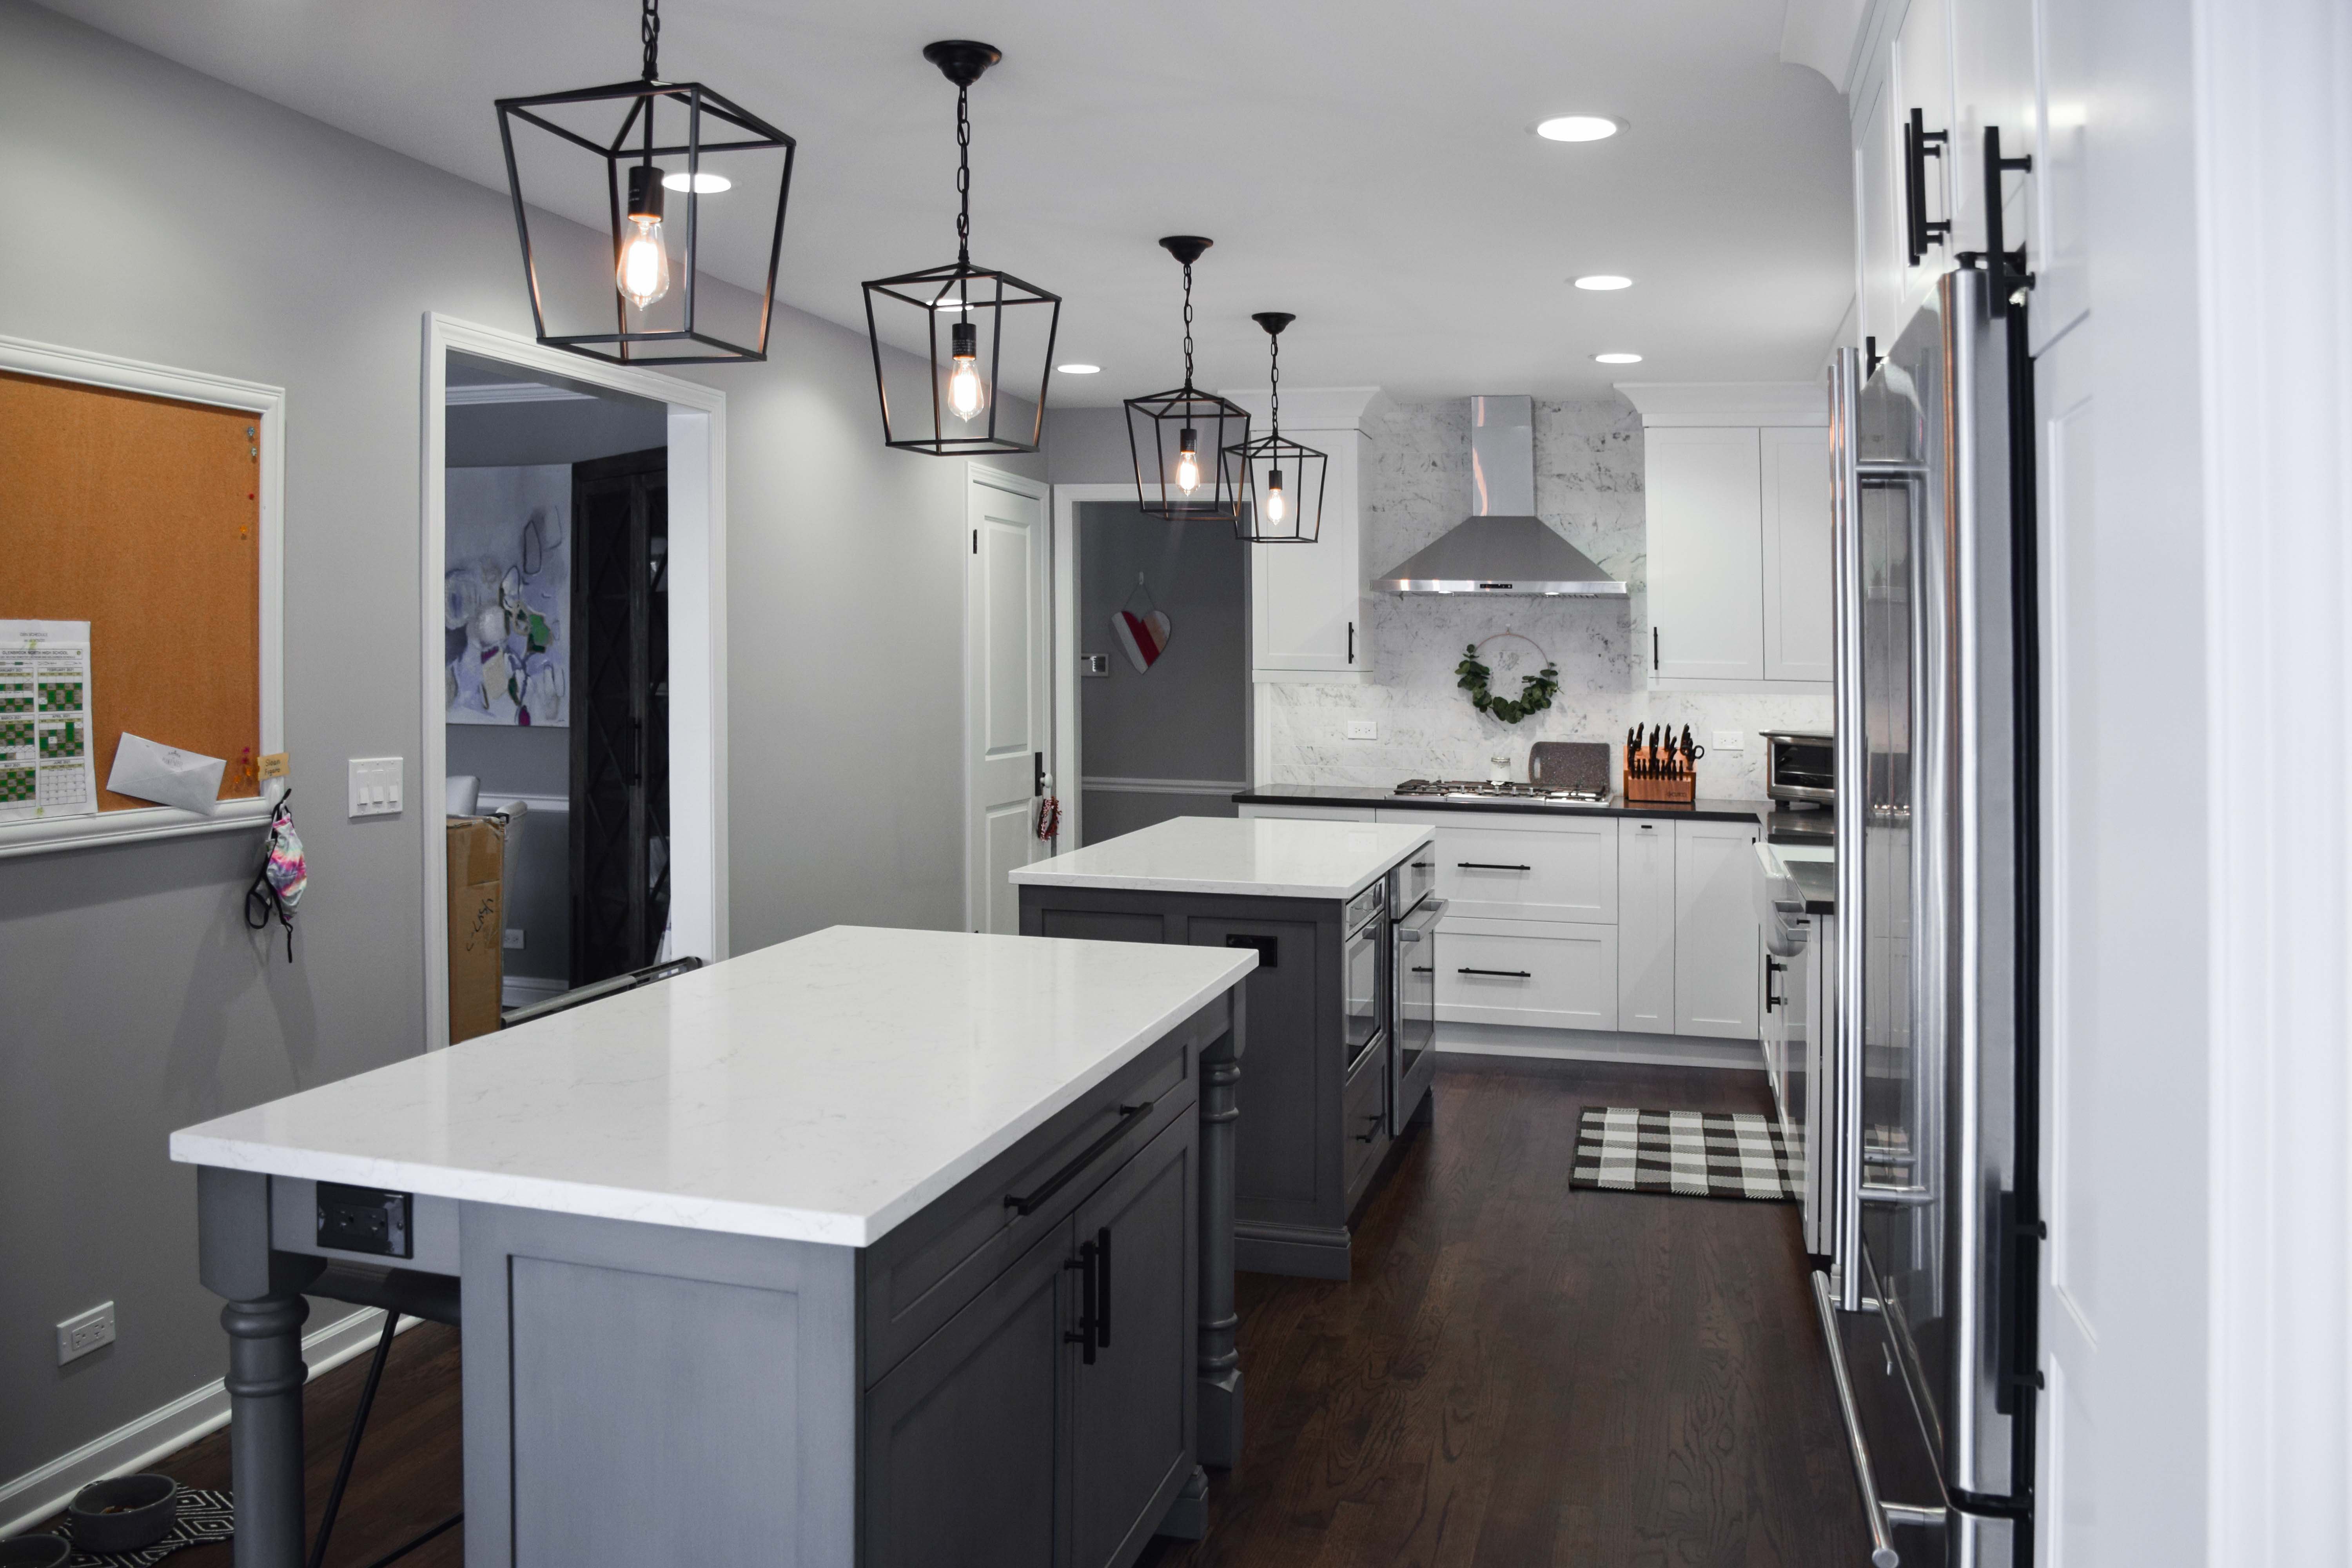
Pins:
x,y
34,1551
125,1514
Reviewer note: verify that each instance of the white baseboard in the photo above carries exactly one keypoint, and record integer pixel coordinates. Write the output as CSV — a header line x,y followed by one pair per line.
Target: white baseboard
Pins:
x,y
1599,1045
42,1491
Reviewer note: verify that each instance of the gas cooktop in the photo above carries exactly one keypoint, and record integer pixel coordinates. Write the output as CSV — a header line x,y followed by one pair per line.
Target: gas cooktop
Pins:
x,y
1475,789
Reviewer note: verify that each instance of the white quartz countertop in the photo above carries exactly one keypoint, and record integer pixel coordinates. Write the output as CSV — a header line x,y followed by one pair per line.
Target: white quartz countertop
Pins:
x,y
1270,856
823,1090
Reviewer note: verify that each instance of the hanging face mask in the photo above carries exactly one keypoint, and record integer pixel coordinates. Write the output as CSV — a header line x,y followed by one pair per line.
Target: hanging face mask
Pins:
x,y
278,885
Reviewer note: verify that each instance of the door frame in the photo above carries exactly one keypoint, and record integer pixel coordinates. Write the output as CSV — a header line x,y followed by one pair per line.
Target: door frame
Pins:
x,y
976,475
697,663
1068,751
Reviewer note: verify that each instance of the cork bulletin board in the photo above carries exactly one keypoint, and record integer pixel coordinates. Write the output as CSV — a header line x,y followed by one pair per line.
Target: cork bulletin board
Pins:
x,y
152,517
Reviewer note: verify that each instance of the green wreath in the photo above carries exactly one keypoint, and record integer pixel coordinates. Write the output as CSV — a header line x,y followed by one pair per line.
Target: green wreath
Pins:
x,y
1536,692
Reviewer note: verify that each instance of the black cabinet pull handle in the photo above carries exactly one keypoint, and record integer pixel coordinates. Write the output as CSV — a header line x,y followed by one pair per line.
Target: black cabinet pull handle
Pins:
x,y
1352,642
1425,969
1772,966
2005,270
1506,974
1489,866
1653,647
1102,1306
1919,144
1373,1129
1128,1115
1083,1336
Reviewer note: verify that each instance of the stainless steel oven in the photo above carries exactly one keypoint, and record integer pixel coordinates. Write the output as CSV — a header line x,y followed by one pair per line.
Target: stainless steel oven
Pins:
x,y
1799,765
1413,965
1362,954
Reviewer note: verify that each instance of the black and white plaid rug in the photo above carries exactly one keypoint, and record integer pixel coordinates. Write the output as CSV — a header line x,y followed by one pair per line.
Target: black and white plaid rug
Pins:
x,y
1697,1153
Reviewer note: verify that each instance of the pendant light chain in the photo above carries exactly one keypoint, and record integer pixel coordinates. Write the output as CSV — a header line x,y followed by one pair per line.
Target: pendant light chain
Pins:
x,y
1188,326
649,29
964,177
1274,377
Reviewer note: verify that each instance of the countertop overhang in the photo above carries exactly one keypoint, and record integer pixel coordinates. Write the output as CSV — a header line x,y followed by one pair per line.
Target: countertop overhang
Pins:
x,y
1274,858
823,1090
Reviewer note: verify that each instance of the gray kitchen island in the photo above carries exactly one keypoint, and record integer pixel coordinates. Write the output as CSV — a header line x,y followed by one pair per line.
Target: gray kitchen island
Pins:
x,y
1332,1082
876,1247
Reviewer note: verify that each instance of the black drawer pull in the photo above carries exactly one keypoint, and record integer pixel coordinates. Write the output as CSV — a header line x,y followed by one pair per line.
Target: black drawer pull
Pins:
x,y
1489,866
1423,969
1506,974
1102,1306
1375,1119
1127,1116
1083,1336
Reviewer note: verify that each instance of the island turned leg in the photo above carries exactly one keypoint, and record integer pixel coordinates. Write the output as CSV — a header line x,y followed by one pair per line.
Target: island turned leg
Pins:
x,y
264,1318
1220,1371
265,1428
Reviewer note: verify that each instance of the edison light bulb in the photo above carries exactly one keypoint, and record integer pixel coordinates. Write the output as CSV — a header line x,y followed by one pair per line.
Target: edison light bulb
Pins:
x,y
967,393
1188,461
642,273
1278,506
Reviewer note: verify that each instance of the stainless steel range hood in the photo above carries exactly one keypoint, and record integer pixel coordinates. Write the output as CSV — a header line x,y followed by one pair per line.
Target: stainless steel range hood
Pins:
x,y
1502,547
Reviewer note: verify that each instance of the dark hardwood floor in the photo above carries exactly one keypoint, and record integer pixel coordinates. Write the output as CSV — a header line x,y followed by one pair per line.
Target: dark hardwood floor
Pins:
x,y
1519,1373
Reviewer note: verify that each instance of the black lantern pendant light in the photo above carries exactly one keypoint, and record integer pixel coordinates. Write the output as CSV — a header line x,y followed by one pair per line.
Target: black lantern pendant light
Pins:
x,y
707,145
1189,434
954,409
1281,481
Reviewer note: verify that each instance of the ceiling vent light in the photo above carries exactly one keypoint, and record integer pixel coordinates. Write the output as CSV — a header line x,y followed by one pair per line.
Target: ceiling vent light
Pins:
x,y
1079,369
1579,128
1617,359
1603,281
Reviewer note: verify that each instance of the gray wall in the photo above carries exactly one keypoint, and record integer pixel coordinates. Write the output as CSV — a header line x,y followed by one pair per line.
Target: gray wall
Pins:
x,y
1087,447
135,1001
1187,716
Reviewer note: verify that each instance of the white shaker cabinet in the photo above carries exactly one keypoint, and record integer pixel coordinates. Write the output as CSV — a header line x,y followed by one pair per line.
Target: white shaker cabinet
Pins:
x,y
1309,617
1646,926
1702,496
1800,608
1718,944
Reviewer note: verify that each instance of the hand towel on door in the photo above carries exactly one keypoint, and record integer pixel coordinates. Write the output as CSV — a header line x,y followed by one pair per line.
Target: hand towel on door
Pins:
x,y
1143,638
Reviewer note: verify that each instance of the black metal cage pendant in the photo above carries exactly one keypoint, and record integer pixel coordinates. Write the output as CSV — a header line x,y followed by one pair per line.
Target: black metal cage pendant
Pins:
x,y
946,404
706,149
1189,434
1281,481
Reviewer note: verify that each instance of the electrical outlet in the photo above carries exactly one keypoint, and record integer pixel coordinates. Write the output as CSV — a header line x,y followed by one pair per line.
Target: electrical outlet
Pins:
x,y
375,787
1363,730
85,1332
1730,741
514,939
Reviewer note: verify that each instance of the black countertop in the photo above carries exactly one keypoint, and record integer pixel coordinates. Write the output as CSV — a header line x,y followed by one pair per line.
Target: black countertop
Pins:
x,y
1368,794
1817,879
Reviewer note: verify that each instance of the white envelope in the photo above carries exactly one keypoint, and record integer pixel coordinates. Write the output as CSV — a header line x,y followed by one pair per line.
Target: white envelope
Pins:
x,y
165,774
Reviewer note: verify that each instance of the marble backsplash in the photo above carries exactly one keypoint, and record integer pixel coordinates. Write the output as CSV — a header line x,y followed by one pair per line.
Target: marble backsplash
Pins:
x,y
1589,487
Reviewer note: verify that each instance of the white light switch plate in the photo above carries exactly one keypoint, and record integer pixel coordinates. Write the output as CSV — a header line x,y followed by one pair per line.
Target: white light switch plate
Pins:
x,y
85,1332
375,787
1363,730
1730,741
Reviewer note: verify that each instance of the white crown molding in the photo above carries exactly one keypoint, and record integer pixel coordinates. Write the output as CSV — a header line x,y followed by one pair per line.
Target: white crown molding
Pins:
x,y
1665,403
513,392
1314,407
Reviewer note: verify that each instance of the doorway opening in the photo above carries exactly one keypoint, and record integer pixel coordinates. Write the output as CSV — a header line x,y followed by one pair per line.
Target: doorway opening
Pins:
x,y
1163,686
574,530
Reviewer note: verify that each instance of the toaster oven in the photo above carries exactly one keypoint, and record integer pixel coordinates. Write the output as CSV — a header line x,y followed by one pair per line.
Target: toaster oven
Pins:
x,y
1799,765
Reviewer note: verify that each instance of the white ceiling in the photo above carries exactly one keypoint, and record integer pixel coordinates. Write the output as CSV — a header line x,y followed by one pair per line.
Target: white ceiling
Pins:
x,y
1369,165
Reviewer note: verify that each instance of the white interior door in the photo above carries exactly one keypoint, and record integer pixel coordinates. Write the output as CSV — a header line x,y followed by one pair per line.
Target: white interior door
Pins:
x,y
1007,660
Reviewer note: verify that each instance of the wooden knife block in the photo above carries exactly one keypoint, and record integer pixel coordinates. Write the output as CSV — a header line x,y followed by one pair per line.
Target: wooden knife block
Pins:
x,y
1679,788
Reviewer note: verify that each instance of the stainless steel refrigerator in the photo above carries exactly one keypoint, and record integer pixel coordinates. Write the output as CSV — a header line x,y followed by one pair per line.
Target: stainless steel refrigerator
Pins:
x,y
1932,1226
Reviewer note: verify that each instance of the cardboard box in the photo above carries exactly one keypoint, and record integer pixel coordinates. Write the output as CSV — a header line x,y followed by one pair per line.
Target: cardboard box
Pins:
x,y
476,925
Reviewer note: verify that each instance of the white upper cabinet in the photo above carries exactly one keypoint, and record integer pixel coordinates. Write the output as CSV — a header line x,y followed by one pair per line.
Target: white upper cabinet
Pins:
x,y
1707,554
1308,603
1736,490
2062,289
1920,80
1799,608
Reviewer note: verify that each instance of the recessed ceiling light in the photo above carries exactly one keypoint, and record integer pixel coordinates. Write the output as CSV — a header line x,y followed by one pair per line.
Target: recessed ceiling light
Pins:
x,y
706,183
1604,280
1078,369
1579,128
1617,359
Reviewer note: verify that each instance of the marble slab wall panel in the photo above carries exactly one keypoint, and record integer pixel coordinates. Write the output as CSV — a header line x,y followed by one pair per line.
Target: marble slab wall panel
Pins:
x,y
1589,487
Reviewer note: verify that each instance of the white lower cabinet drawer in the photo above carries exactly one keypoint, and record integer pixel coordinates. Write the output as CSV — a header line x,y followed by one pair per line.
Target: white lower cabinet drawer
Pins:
x,y
1496,866
1551,974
